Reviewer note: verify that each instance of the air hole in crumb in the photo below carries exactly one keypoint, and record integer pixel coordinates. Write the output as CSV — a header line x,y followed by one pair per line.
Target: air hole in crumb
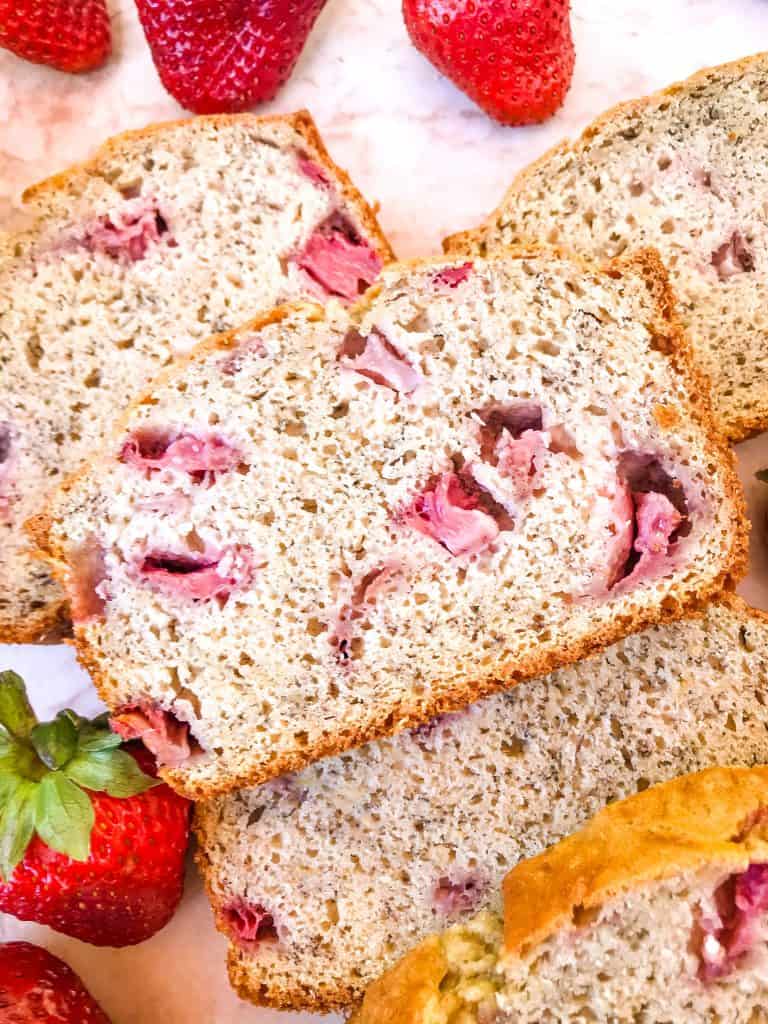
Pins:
x,y
549,348
131,189
34,351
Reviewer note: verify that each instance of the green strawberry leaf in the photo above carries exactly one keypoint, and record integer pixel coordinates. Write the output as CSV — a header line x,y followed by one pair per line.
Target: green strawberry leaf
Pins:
x,y
64,816
762,474
17,825
109,771
77,720
16,712
97,739
55,742
9,782
7,741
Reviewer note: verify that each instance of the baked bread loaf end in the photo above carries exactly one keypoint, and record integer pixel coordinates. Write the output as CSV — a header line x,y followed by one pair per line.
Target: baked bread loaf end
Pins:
x,y
328,526
656,911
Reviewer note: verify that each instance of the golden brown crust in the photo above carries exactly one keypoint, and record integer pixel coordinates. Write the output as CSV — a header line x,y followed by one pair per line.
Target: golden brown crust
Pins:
x,y
48,625
739,426
680,826
539,661
407,993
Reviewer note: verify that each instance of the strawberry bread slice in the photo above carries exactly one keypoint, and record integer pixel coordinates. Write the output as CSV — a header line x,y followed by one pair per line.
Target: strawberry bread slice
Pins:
x,y
657,911
324,878
685,171
167,235
329,526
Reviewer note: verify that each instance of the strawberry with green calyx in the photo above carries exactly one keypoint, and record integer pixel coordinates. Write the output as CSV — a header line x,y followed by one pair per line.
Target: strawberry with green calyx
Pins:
x,y
91,843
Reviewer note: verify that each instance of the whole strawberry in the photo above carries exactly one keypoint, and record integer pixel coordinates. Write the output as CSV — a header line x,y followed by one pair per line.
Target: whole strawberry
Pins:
x,y
215,56
71,35
91,843
38,988
514,58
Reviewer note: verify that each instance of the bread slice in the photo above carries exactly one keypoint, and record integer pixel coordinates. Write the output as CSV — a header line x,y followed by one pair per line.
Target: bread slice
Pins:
x,y
324,878
167,235
657,911
326,527
684,171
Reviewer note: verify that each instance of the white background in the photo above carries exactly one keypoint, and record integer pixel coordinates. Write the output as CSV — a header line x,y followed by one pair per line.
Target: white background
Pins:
x,y
436,164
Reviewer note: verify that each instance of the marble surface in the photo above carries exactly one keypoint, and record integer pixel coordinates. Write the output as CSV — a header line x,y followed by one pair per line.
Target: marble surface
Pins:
x,y
436,164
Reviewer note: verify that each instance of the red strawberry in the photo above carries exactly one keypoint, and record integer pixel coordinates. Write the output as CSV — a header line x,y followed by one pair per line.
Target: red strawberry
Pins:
x,y
38,988
71,35
514,58
89,844
215,56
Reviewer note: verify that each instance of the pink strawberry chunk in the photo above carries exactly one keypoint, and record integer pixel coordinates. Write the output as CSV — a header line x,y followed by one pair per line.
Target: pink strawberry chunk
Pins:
x,y
451,514
453,276
517,457
158,729
621,530
512,439
733,257
86,581
128,234
200,578
339,260
657,520
316,174
459,893
735,929
185,453
374,584
376,358
249,924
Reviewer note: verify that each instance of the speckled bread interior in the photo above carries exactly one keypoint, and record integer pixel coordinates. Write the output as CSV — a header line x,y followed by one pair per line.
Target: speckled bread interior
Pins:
x,y
286,548
335,872
685,171
168,234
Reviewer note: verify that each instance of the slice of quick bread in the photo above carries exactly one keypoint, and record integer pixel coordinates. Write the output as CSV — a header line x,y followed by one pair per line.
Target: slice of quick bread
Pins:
x,y
328,526
657,911
685,171
324,878
167,235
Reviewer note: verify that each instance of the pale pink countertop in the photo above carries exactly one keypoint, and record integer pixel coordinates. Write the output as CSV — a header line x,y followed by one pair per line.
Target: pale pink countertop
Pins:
x,y
436,164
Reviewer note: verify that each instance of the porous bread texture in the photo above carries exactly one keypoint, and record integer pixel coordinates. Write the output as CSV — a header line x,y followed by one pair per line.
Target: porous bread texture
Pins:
x,y
100,294
685,171
351,856
607,925
292,663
